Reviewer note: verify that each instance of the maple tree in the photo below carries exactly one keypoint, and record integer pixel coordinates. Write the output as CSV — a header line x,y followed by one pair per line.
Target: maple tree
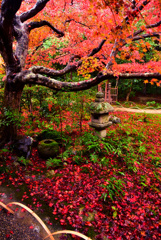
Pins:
x,y
94,34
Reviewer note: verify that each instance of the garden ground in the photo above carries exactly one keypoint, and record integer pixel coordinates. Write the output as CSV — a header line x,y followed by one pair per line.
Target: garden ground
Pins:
x,y
117,197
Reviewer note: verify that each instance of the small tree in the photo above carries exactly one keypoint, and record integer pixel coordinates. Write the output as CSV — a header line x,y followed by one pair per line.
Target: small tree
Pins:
x,y
98,31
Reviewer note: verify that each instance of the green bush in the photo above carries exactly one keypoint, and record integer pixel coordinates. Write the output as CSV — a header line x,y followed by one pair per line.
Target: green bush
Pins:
x,y
10,117
54,162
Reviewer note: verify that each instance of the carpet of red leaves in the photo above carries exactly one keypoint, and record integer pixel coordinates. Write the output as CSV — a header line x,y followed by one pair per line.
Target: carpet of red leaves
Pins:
x,y
73,192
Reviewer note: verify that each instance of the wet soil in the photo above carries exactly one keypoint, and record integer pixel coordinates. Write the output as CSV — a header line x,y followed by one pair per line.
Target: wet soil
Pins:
x,y
11,228
21,225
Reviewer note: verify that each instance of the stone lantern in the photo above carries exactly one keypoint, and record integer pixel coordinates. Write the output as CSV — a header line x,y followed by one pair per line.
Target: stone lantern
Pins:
x,y
100,118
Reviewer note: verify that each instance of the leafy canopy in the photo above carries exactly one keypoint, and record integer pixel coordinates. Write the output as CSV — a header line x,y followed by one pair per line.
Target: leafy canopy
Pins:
x,y
121,26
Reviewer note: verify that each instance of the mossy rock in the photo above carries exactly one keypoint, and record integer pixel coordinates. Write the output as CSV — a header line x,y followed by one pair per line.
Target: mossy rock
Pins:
x,y
48,148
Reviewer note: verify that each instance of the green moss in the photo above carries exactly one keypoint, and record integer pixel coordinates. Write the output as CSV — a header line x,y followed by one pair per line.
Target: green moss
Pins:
x,y
99,107
48,148
49,143
59,137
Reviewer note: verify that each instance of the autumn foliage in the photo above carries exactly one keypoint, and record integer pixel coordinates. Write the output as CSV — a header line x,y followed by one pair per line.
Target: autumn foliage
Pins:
x,y
87,23
123,27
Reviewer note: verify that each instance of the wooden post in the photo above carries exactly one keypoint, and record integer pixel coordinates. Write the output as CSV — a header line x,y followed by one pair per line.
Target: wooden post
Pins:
x,y
109,93
106,86
99,88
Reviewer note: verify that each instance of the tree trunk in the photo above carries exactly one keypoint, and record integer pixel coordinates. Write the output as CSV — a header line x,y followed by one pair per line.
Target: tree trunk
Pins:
x,y
128,95
10,111
129,92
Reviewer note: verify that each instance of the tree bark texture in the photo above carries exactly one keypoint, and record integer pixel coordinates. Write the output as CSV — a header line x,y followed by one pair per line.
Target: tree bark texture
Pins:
x,y
10,112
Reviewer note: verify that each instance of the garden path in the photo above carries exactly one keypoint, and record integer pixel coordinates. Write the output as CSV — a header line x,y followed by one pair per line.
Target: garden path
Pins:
x,y
138,110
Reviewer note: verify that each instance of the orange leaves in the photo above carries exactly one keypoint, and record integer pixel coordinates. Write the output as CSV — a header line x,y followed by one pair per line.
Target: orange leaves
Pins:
x,y
160,4
143,233
153,81
158,84
85,24
89,65
142,28
146,81
144,49
2,69
102,4
148,45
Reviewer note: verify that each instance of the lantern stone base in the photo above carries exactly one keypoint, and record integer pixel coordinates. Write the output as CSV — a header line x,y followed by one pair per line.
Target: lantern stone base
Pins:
x,y
100,126
101,134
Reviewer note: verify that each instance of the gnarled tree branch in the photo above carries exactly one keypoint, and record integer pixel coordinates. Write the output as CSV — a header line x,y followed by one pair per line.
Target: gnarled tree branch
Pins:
x,y
33,11
157,24
33,25
149,26
146,36
83,24
52,72
28,77
7,17
21,35
9,8
96,50
137,10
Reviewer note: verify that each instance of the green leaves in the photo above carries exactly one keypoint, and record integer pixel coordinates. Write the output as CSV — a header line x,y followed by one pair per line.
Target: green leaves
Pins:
x,y
53,162
114,188
48,43
114,211
24,161
10,117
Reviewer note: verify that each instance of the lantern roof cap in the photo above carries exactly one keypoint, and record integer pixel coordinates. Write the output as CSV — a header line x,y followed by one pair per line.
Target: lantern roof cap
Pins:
x,y
99,106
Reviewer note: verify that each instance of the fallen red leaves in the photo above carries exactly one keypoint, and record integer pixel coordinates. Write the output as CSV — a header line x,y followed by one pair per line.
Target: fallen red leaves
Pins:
x,y
73,193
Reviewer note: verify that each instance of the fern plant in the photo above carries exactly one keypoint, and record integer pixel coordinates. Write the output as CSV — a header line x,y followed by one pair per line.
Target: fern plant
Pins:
x,y
53,162
114,188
